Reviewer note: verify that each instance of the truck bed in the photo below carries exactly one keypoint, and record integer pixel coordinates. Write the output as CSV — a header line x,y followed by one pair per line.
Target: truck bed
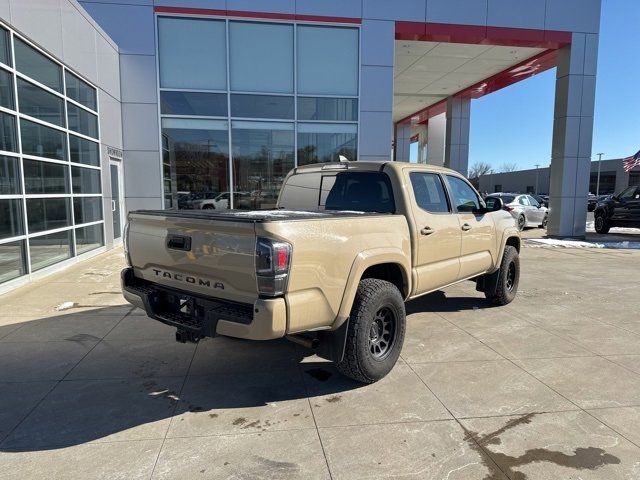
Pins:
x,y
259,216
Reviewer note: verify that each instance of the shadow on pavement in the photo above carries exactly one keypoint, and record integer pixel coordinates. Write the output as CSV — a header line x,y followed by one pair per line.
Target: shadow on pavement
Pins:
x,y
439,302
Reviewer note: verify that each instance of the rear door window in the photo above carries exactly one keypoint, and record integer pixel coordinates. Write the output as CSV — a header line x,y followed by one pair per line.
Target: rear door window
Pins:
x,y
429,192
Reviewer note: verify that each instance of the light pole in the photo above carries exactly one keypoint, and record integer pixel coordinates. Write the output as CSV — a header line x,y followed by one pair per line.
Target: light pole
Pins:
x,y
598,182
537,165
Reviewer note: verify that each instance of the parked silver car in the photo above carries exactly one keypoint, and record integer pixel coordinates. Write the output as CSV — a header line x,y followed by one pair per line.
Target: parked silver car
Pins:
x,y
525,209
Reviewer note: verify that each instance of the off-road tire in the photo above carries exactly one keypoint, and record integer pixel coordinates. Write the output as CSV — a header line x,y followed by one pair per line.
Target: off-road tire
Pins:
x,y
372,297
521,222
601,224
508,280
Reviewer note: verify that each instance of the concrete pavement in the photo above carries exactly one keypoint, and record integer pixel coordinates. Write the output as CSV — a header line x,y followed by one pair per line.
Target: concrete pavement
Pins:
x,y
545,388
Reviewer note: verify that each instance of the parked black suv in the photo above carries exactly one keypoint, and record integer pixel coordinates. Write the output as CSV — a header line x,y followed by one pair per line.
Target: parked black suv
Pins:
x,y
620,210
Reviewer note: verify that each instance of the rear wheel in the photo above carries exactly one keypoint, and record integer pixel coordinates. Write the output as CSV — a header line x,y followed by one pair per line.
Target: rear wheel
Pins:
x,y
508,278
601,223
375,332
545,221
521,222
207,207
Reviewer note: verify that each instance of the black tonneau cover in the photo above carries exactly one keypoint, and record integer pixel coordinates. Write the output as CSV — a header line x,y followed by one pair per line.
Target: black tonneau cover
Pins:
x,y
259,216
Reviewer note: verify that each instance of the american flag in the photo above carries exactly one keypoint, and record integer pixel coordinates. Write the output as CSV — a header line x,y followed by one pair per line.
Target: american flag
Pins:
x,y
630,162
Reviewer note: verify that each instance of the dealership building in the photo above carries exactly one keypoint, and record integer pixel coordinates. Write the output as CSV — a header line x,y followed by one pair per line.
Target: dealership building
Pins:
x,y
108,106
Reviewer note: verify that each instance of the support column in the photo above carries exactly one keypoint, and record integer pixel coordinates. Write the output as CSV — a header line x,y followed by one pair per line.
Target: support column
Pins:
x,y
436,132
456,154
572,135
402,142
421,131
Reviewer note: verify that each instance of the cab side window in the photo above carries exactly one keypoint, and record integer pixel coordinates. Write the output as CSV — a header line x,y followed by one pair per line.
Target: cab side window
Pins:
x,y
465,199
429,192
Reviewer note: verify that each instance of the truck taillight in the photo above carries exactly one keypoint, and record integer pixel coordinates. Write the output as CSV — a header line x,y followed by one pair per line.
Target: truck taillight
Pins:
x,y
272,266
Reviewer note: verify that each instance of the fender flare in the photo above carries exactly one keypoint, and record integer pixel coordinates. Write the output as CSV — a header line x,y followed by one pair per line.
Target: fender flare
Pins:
x,y
508,233
364,260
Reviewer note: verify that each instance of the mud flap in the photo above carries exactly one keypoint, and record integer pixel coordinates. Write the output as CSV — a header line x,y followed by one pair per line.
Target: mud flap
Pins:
x,y
488,283
333,343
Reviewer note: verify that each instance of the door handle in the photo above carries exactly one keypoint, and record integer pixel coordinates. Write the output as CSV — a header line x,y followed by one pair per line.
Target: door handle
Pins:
x,y
466,227
113,205
427,231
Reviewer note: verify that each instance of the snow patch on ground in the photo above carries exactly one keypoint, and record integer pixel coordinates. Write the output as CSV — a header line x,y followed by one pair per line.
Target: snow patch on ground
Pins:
x,y
591,228
568,243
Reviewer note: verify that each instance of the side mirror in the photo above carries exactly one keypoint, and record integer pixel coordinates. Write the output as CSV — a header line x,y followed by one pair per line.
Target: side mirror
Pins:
x,y
494,204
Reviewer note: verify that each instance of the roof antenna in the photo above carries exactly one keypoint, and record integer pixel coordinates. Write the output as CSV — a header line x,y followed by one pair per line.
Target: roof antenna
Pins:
x,y
342,158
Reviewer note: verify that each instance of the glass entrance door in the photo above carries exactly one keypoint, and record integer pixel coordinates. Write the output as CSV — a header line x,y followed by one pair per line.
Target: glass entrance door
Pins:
x,y
116,200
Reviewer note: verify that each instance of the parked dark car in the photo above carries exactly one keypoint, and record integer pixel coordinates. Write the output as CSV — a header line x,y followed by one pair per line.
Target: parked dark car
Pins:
x,y
542,200
592,201
619,210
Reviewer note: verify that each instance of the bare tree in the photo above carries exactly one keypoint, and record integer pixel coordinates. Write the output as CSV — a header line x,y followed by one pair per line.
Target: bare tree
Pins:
x,y
509,167
479,168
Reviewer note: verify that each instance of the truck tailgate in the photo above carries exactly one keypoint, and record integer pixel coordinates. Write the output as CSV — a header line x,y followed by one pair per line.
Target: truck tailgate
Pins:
x,y
206,255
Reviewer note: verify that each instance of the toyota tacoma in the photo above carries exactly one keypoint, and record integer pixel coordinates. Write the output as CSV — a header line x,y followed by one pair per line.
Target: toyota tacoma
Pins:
x,y
330,268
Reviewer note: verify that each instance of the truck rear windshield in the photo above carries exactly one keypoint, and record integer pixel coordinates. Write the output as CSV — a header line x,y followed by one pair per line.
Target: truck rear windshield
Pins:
x,y
358,191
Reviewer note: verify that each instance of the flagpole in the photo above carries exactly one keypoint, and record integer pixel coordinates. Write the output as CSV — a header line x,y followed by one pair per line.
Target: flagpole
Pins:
x,y
598,183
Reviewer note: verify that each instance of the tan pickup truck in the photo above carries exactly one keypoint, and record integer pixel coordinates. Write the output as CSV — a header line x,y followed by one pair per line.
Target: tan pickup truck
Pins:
x,y
330,268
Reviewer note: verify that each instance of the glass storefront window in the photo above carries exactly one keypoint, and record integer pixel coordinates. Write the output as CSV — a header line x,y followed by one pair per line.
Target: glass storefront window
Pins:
x,y
331,109
45,177
35,65
82,121
84,151
11,224
12,260
327,60
45,250
5,48
325,142
198,153
89,238
263,154
193,103
262,106
38,103
80,91
261,57
42,141
47,213
6,89
9,176
8,141
87,209
192,53
85,180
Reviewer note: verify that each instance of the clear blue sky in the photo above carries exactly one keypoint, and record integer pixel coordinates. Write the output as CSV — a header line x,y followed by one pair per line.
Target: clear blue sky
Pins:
x,y
515,124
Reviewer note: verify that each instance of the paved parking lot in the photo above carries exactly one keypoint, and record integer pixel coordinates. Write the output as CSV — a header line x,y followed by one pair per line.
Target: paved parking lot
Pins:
x,y
545,388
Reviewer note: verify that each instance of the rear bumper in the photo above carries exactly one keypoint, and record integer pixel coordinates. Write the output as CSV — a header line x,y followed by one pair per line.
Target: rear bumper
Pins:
x,y
203,316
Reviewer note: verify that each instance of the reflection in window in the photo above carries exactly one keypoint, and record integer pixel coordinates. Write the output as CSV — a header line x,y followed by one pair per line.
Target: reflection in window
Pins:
x,y
5,48
9,176
84,151
192,53
48,249
8,133
88,238
80,91
45,177
197,155
262,106
42,141
12,261
38,103
6,89
47,213
11,224
261,57
35,65
193,103
263,154
327,60
82,121
85,180
325,142
87,209
332,109
429,192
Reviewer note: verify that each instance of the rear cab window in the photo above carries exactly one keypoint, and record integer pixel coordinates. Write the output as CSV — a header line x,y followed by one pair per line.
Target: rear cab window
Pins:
x,y
358,191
